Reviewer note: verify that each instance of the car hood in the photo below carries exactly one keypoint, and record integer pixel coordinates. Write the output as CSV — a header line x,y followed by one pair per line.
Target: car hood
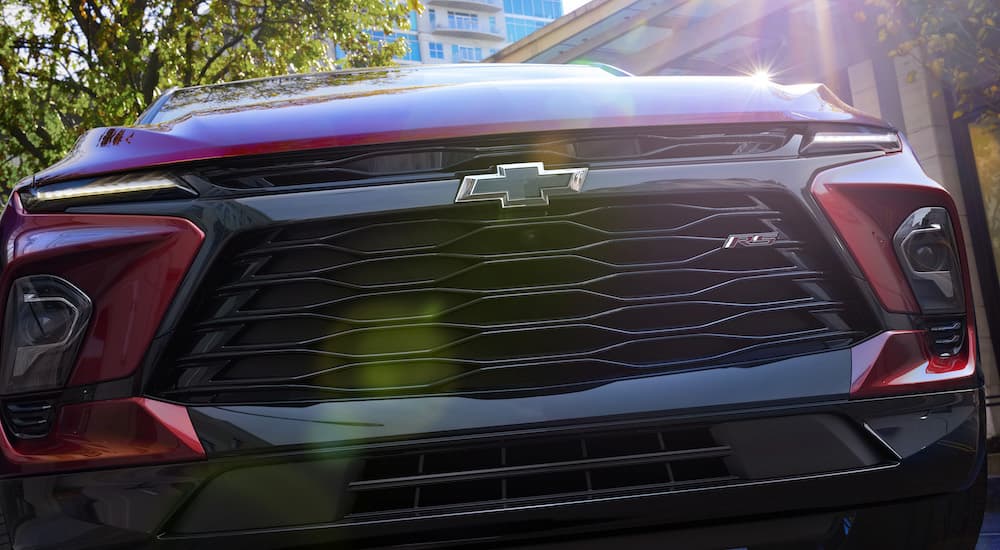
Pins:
x,y
448,111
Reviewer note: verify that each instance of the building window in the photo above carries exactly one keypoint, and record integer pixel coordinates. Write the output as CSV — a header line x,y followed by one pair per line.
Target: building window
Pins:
x,y
411,41
433,17
435,50
460,20
493,24
549,9
414,21
519,27
338,52
466,53
413,53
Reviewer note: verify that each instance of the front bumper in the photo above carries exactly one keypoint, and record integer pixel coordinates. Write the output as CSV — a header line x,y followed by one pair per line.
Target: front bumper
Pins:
x,y
931,444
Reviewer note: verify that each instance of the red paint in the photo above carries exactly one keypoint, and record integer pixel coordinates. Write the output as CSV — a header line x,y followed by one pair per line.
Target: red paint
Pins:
x,y
106,433
898,362
449,111
129,266
866,203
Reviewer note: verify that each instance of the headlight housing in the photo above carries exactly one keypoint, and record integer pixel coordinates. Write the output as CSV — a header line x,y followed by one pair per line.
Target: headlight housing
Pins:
x,y
925,245
44,326
117,188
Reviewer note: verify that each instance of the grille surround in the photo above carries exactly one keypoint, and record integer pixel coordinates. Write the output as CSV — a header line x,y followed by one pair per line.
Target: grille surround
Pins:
x,y
609,267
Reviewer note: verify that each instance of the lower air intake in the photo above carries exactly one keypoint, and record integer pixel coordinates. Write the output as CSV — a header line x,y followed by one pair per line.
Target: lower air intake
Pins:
x,y
563,468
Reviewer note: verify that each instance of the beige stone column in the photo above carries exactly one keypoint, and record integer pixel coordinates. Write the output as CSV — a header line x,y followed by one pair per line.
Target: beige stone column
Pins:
x,y
864,91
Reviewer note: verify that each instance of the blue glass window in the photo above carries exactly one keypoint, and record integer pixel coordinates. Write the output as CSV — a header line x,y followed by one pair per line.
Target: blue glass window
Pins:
x,y
435,50
549,9
413,54
519,27
466,53
460,20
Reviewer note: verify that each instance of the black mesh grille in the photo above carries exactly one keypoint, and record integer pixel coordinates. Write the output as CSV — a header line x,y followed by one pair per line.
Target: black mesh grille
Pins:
x,y
478,299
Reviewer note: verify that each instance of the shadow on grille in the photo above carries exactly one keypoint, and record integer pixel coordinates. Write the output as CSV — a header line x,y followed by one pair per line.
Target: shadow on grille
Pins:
x,y
474,299
417,161
530,471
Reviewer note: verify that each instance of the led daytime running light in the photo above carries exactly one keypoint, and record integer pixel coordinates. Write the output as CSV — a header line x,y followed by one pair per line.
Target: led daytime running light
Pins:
x,y
106,189
834,138
121,187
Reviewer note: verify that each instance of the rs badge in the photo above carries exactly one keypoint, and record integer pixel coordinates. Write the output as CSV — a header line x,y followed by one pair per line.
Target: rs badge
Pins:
x,y
750,239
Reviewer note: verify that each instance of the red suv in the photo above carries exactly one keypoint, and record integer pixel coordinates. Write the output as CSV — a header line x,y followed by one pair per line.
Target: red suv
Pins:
x,y
532,306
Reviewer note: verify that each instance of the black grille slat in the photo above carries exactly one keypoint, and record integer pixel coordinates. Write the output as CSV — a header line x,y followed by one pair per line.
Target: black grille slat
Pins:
x,y
749,309
523,471
402,349
477,296
29,419
551,467
277,244
601,280
394,309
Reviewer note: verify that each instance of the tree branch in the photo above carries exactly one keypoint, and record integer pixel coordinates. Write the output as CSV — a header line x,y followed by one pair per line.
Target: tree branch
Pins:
x,y
218,53
59,82
151,77
26,143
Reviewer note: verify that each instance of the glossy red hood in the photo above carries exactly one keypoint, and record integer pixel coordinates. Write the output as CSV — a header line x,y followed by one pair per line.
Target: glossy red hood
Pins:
x,y
447,111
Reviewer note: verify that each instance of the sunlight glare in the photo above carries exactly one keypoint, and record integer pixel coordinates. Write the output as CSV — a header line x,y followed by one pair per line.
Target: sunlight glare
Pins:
x,y
761,77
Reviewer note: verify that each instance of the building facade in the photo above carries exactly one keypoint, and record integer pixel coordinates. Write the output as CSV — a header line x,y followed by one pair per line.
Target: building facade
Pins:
x,y
459,31
807,41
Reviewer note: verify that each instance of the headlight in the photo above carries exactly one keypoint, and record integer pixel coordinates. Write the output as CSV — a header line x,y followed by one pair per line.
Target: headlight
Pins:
x,y
43,328
925,244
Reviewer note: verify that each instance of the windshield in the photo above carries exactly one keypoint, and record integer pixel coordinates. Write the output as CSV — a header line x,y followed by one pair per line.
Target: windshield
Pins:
x,y
347,83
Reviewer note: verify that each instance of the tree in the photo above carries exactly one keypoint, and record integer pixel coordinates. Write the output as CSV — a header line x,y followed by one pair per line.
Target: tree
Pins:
x,y
957,41
70,65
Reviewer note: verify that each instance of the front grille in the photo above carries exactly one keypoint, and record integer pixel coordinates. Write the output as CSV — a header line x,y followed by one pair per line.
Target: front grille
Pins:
x,y
540,469
475,299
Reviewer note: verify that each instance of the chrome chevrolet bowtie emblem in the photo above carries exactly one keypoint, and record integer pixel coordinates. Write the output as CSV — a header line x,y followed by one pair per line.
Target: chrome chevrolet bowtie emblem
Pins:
x,y
522,184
